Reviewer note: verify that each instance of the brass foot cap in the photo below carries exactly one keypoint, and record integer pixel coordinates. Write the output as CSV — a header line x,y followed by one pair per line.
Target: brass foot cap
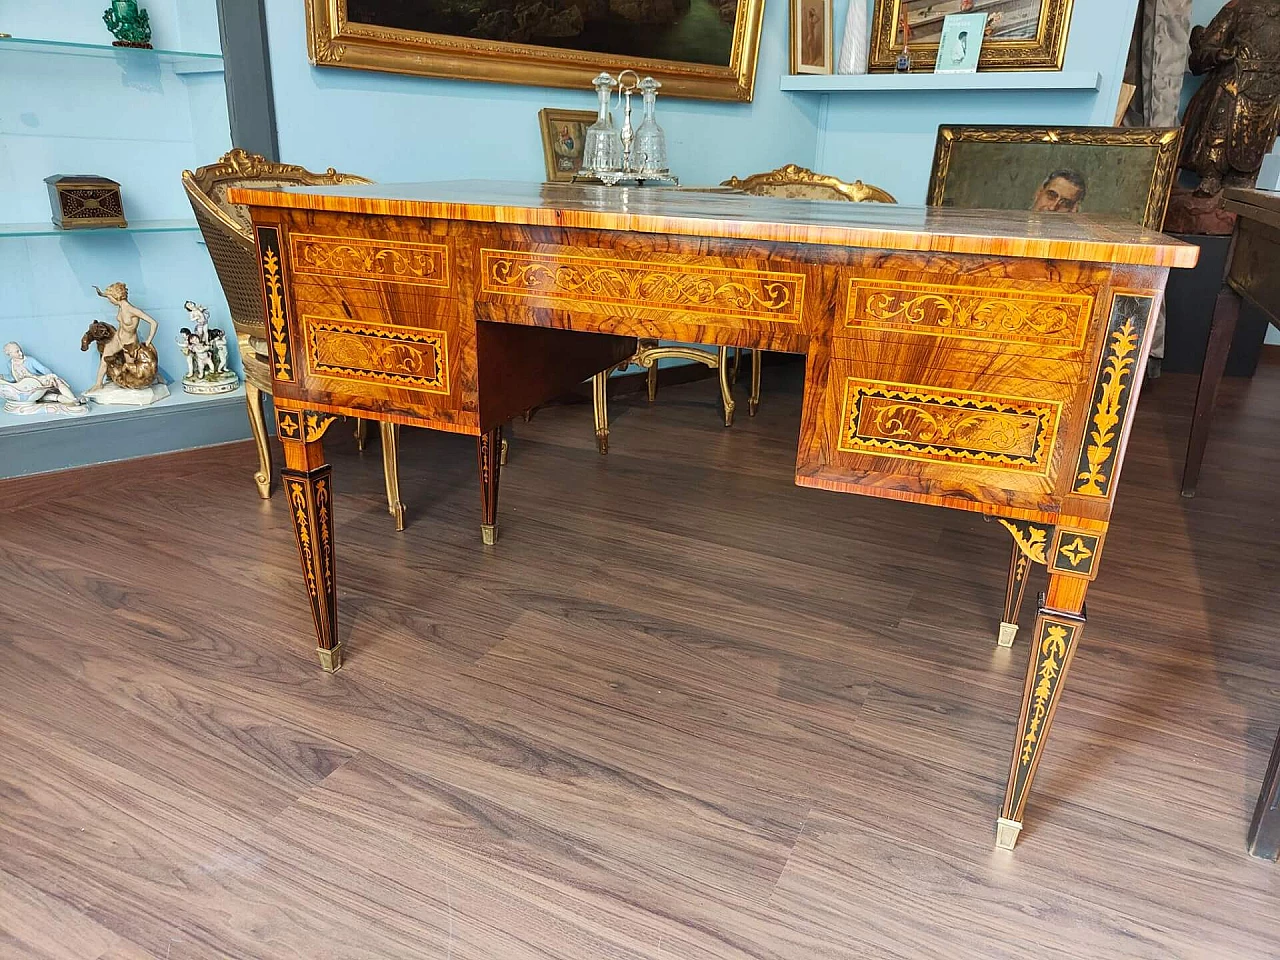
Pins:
x,y
397,511
1007,632
1007,833
602,442
330,657
489,534
502,454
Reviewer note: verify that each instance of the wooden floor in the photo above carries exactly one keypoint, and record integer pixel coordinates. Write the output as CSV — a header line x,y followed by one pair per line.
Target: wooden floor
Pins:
x,y
683,710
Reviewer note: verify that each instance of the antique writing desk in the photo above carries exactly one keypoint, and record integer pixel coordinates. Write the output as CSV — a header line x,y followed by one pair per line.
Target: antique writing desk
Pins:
x,y
968,359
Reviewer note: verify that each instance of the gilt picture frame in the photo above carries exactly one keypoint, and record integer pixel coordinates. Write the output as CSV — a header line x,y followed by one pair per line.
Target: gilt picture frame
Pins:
x,y
811,37
563,139
715,62
1125,172
1020,34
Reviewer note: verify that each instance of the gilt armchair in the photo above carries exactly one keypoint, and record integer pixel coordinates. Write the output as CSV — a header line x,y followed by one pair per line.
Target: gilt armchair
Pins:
x,y
228,233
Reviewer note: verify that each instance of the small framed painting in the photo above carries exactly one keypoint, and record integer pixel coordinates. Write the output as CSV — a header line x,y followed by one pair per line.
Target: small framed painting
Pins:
x,y
563,133
960,43
811,36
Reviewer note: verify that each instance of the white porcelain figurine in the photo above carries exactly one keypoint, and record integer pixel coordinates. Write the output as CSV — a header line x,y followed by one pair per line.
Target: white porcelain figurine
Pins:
x,y
129,369
206,353
32,387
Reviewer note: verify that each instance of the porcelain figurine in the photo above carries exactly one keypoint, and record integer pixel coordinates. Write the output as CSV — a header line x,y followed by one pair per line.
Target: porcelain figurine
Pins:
x,y
31,387
206,351
128,371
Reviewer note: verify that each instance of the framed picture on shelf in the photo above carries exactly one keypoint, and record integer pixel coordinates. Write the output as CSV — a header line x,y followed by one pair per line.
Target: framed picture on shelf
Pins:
x,y
811,46
696,48
1117,171
960,43
1019,34
563,136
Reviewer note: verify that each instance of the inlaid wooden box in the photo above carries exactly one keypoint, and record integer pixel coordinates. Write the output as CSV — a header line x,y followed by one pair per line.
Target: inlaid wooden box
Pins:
x,y
83,201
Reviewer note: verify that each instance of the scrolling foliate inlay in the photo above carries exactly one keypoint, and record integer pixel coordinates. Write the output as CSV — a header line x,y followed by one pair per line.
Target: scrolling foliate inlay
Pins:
x,y
692,288
274,302
409,357
383,261
1112,394
970,313
948,426
1032,538
306,425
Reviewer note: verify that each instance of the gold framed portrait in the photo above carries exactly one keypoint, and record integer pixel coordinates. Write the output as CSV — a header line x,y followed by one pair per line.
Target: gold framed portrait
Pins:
x,y
530,42
564,134
1020,34
1117,171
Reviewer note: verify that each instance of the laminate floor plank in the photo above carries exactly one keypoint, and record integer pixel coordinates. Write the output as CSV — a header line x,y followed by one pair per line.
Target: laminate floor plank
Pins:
x,y
683,709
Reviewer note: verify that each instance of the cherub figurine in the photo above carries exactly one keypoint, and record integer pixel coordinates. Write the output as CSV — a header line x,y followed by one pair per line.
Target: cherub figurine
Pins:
x,y
129,363
205,349
35,388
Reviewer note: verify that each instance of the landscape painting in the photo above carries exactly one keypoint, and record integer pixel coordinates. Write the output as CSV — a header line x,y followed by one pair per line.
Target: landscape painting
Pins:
x,y
697,48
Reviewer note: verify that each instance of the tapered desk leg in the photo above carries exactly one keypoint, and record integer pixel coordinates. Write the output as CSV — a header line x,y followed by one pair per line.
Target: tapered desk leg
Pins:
x,y
487,447
309,493
1226,311
726,391
362,433
600,403
1059,625
1019,572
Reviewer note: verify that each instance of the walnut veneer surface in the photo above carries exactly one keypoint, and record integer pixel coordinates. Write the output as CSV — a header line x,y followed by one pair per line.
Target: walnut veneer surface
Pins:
x,y
986,362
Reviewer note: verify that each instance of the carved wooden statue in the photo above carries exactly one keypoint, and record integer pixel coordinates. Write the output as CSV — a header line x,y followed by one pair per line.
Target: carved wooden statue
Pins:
x,y
1233,118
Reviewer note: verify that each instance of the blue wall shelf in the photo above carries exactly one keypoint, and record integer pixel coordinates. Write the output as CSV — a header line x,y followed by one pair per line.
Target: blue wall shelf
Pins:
x,y
1082,80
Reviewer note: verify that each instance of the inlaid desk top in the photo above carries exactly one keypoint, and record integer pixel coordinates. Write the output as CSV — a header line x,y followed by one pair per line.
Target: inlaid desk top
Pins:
x,y
691,212
982,361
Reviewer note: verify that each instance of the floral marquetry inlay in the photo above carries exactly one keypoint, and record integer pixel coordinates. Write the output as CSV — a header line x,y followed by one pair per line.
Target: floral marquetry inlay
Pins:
x,y
948,426
973,313
636,283
423,264
407,357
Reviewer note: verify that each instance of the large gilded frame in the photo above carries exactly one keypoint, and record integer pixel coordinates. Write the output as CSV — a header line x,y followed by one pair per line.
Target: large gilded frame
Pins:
x,y
1166,139
1044,52
335,41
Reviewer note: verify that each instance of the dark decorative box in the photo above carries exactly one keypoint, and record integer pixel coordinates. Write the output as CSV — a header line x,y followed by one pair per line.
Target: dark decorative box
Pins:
x,y
84,201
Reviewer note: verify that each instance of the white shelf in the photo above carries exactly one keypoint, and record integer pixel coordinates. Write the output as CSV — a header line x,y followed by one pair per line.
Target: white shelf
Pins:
x,y
1084,80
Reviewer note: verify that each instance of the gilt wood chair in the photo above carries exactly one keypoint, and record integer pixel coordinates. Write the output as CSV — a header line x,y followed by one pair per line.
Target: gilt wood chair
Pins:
x,y
228,233
787,181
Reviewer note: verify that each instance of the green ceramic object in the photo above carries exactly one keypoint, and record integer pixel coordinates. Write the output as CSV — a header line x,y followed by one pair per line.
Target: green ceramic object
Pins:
x,y
130,26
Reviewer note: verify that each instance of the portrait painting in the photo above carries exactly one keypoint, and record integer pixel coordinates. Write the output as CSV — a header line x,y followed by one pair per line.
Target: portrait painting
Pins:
x,y
696,48
1110,171
563,136
1017,34
811,44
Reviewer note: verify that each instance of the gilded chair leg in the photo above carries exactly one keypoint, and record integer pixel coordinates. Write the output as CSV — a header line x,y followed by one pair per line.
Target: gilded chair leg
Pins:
x,y
737,366
757,360
600,403
502,456
652,381
362,434
726,393
258,426
391,469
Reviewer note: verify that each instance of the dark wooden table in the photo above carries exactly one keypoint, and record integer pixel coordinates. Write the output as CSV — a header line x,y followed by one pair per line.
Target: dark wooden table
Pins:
x,y
1251,274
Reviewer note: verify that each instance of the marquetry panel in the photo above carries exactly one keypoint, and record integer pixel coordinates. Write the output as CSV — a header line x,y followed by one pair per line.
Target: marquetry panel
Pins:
x,y
306,425
1040,316
1113,393
378,261
406,357
948,426
1076,552
698,289
275,303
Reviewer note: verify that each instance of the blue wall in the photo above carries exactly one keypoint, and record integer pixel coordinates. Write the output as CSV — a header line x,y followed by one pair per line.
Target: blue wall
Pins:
x,y
139,120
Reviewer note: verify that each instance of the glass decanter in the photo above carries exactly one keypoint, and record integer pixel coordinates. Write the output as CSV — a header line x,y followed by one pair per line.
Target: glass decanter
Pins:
x,y
602,150
650,142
